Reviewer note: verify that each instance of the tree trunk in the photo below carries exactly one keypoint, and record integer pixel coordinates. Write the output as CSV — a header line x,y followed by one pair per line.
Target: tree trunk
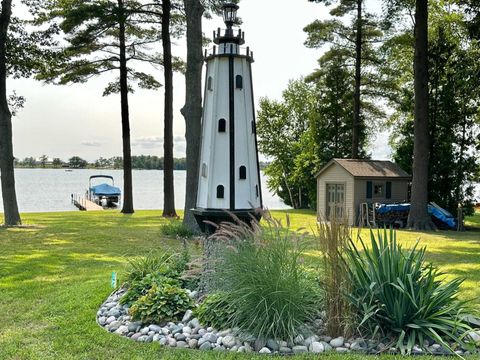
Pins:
x,y
127,152
192,110
357,125
168,186
418,217
10,207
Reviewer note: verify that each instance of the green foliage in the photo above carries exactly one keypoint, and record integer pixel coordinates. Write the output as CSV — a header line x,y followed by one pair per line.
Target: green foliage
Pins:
x,y
139,288
215,311
177,229
268,288
395,292
165,301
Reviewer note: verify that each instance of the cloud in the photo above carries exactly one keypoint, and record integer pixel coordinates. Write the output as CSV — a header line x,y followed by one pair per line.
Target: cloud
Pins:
x,y
148,142
91,143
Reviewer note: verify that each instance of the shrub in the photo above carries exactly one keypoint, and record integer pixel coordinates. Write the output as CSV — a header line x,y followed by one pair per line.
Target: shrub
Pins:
x,y
138,288
165,264
163,302
396,292
215,311
177,229
267,286
333,238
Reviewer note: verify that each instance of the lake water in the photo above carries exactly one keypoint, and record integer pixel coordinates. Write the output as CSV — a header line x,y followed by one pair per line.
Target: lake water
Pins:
x,y
40,190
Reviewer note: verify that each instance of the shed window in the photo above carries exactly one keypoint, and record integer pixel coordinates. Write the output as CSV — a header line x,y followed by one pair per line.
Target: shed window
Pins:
x,y
222,125
369,189
220,192
210,83
378,189
239,82
204,170
243,172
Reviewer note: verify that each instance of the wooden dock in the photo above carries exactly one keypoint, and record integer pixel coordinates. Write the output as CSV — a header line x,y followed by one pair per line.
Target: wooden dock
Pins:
x,y
84,204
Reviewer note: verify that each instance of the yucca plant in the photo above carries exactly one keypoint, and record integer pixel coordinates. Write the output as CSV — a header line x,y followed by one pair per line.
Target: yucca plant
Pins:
x,y
264,281
396,292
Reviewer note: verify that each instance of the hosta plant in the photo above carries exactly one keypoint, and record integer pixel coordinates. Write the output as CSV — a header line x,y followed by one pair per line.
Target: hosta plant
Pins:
x,y
395,292
163,302
215,310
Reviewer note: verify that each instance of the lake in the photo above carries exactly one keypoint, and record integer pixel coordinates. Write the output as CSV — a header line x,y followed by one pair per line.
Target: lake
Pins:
x,y
42,190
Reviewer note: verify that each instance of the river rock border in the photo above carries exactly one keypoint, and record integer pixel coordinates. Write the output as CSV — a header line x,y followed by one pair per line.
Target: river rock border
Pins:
x,y
190,334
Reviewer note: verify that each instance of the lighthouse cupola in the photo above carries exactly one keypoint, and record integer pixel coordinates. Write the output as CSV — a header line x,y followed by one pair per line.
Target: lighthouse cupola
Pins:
x,y
229,176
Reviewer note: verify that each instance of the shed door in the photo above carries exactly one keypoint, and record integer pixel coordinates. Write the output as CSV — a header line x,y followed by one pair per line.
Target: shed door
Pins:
x,y
335,201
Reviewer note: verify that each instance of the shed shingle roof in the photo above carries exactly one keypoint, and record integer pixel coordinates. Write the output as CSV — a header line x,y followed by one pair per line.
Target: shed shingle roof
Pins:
x,y
370,168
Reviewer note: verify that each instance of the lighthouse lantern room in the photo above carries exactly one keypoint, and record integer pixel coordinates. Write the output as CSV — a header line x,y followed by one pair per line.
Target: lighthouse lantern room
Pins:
x,y
229,176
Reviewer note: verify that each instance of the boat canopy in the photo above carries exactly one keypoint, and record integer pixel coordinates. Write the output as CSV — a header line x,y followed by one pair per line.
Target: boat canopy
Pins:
x,y
105,190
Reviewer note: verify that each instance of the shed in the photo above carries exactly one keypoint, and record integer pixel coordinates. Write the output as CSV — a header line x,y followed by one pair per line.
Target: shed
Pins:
x,y
344,184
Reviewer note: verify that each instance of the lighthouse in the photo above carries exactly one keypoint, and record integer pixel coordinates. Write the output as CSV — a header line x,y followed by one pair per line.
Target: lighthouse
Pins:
x,y
229,175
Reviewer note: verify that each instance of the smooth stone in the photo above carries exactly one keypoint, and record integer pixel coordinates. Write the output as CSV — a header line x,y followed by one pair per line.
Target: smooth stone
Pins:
x,y
347,345
283,343
194,323
182,344
259,344
144,331
195,336
134,326
155,328
316,347
272,344
143,338
299,349
177,330
265,350
136,336
326,338
180,337
355,346
229,341
192,343
165,331
234,348
310,340
163,341
337,342
149,339
151,333
475,336
210,337
299,340
326,346
285,350
156,337
172,342
201,341
241,349
219,341
205,346
247,346
341,349
114,312
202,332
187,330
416,349
102,320
122,330
110,319
224,332
209,329
187,316
219,348
113,326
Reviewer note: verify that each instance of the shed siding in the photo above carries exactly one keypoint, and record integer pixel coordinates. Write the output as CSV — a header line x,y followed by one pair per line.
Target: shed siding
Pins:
x,y
399,192
335,174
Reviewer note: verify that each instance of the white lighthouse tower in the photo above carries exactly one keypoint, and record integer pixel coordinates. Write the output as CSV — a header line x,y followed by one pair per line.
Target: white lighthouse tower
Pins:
x,y
229,176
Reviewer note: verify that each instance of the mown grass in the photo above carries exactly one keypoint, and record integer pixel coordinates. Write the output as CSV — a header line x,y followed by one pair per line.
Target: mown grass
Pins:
x,y
56,272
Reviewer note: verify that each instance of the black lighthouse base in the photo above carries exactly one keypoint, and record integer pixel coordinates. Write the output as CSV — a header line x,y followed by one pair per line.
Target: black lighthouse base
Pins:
x,y
217,216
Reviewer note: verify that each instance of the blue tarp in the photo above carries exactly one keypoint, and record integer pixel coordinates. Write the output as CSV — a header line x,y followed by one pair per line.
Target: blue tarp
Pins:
x,y
433,209
105,190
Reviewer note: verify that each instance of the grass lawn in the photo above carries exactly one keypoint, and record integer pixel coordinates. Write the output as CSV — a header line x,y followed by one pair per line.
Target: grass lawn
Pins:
x,y
55,274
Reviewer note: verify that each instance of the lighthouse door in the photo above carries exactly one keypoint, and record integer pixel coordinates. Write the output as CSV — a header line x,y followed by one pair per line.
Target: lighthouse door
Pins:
x,y
335,201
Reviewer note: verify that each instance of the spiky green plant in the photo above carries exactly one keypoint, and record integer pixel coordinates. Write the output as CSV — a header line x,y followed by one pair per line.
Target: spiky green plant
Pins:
x,y
396,292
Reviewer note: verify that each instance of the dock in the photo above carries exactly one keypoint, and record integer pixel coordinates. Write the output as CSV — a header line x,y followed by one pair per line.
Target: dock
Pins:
x,y
84,204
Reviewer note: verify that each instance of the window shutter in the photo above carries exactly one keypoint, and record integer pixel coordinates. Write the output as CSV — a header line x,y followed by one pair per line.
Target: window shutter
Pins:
x,y
388,190
369,189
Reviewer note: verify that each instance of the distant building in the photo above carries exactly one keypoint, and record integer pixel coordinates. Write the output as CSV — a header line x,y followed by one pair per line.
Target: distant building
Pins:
x,y
344,184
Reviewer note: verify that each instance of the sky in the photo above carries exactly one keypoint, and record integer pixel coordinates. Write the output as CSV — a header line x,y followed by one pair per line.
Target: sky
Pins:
x,y
75,120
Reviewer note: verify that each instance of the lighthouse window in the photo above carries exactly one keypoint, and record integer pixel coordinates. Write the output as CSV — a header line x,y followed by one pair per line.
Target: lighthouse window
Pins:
x,y
243,172
222,125
210,83
239,82
220,192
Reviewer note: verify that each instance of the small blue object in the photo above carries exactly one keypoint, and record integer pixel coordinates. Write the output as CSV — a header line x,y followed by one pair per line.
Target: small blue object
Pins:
x,y
114,280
